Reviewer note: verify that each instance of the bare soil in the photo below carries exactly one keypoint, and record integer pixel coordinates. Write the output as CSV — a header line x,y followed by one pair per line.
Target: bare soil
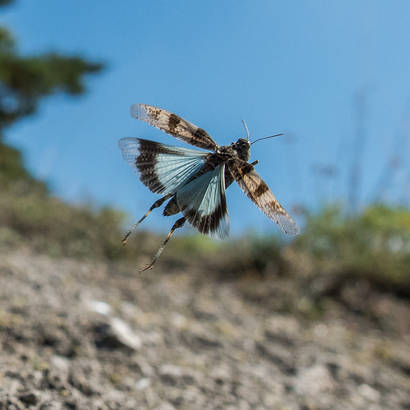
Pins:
x,y
87,335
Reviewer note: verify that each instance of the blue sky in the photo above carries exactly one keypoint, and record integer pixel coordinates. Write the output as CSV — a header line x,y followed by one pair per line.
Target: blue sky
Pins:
x,y
292,67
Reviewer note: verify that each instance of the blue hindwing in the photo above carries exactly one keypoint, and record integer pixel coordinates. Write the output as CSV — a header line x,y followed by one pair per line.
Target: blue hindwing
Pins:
x,y
203,203
162,168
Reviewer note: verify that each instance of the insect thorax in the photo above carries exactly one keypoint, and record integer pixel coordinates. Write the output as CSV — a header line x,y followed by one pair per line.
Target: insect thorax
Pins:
x,y
243,148
239,149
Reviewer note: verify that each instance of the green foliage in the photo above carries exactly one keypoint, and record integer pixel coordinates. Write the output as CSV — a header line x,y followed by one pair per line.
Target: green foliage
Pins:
x,y
249,255
195,245
49,225
12,170
28,213
5,2
374,245
6,42
24,80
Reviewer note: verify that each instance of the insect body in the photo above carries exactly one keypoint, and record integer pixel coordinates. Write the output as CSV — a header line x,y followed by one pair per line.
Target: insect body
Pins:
x,y
193,181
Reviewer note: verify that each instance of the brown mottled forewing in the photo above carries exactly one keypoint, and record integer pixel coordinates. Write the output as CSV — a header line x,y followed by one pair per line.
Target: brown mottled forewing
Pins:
x,y
257,190
173,125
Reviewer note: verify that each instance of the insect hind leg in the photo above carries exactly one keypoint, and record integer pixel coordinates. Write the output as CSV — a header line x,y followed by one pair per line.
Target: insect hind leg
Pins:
x,y
156,204
178,224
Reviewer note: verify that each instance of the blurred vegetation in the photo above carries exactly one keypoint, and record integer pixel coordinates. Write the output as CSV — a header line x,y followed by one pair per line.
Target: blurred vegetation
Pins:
x,y
12,169
254,255
24,82
374,244
30,216
27,212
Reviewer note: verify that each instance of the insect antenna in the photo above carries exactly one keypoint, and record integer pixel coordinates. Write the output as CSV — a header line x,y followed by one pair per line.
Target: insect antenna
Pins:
x,y
265,138
156,204
178,224
246,129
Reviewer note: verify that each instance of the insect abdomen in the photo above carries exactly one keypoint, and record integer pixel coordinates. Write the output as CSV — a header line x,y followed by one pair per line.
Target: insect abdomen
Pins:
x,y
171,208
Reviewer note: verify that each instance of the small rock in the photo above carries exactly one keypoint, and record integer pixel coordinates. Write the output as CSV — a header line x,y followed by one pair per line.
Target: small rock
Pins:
x,y
60,363
221,374
28,398
98,306
314,381
368,392
171,374
143,383
125,334
166,406
279,356
116,334
201,339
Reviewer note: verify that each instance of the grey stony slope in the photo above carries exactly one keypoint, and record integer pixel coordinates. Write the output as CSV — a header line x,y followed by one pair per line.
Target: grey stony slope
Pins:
x,y
82,335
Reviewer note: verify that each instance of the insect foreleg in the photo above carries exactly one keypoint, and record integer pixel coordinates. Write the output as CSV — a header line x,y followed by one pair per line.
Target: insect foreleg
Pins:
x,y
156,204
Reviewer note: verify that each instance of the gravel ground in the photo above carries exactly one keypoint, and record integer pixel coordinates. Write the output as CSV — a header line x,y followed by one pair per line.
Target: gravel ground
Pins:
x,y
82,335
